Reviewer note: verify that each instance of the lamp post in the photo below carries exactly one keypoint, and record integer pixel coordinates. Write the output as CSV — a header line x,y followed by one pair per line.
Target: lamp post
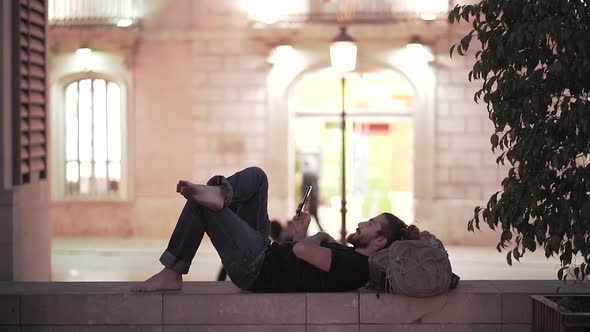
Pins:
x,y
343,52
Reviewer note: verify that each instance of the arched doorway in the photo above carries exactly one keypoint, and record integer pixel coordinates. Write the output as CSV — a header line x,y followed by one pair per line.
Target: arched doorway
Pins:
x,y
379,147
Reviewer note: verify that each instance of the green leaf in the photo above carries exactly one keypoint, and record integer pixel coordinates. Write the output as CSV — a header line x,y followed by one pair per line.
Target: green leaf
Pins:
x,y
516,254
529,242
506,235
465,14
465,42
494,140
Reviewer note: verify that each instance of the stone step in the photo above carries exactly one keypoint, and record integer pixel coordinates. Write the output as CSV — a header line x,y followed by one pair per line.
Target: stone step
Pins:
x,y
475,305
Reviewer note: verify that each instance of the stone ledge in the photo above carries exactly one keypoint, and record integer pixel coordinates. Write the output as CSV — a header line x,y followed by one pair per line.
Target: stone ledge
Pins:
x,y
220,306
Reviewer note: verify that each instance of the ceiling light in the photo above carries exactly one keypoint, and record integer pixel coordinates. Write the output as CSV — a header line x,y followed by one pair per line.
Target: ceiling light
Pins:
x,y
124,22
415,43
281,53
428,16
83,51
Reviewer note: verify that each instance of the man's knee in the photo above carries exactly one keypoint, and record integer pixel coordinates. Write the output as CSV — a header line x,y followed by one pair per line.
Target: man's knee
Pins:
x,y
259,173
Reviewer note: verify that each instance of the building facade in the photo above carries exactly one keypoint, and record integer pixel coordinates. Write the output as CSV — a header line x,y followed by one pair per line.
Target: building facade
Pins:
x,y
191,89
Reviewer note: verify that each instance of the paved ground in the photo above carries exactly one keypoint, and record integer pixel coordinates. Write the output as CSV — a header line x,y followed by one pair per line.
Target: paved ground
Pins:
x,y
137,259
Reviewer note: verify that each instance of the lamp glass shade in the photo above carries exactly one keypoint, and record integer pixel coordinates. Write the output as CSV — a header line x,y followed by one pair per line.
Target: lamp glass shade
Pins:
x,y
343,55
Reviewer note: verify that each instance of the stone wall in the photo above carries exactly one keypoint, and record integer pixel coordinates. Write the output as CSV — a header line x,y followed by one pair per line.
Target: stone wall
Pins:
x,y
466,170
478,305
204,101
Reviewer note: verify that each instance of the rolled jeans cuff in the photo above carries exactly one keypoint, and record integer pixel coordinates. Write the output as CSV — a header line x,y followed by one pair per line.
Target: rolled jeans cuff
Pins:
x,y
220,180
171,262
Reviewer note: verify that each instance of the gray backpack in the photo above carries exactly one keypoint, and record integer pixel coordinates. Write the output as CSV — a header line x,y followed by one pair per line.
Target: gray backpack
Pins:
x,y
417,268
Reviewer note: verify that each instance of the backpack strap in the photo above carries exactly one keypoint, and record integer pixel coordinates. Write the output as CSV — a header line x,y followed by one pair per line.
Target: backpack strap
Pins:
x,y
416,264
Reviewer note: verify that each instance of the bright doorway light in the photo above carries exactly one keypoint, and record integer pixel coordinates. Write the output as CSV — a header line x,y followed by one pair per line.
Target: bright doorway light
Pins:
x,y
83,51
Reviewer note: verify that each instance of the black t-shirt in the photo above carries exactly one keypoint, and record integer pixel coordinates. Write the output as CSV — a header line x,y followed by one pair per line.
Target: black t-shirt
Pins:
x,y
282,271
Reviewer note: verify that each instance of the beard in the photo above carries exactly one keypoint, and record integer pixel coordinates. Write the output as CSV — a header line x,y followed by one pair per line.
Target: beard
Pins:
x,y
357,240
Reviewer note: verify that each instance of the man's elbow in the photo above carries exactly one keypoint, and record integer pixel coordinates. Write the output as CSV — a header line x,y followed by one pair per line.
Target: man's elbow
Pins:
x,y
299,249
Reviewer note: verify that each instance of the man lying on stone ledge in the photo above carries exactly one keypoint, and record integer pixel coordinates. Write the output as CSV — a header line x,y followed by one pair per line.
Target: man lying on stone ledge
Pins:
x,y
233,212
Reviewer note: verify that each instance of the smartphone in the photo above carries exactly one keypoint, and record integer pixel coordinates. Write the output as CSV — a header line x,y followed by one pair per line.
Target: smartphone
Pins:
x,y
304,200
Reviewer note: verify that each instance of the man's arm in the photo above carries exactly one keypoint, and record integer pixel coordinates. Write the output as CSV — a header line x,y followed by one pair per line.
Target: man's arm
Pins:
x,y
298,231
299,224
310,250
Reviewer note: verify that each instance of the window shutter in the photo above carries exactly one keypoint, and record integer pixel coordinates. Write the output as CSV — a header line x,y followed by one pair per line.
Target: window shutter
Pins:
x,y
30,91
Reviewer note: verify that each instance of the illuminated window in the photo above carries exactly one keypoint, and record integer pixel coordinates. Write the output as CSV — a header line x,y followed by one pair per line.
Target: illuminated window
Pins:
x,y
92,138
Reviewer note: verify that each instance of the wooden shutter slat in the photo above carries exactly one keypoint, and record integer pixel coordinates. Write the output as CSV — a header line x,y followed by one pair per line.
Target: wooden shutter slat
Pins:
x,y
24,112
37,125
36,112
24,85
37,32
33,152
24,126
36,18
36,151
36,138
36,98
37,71
24,55
36,58
37,6
24,97
24,3
37,85
24,14
24,168
24,43
23,28
37,45
24,139
37,165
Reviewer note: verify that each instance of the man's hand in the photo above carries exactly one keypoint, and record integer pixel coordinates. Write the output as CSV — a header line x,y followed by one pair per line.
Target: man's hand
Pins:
x,y
300,224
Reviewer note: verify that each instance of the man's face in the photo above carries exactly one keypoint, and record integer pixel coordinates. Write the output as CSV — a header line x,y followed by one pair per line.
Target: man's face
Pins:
x,y
366,232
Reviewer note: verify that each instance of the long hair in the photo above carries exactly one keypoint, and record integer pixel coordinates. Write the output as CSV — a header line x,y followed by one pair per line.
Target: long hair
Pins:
x,y
394,229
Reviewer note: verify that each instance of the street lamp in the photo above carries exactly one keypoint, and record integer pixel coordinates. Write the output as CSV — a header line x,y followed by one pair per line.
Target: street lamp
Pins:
x,y
343,52
343,59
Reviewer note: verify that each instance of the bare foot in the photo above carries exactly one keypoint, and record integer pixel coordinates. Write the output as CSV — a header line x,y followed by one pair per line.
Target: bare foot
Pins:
x,y
163,280
209,196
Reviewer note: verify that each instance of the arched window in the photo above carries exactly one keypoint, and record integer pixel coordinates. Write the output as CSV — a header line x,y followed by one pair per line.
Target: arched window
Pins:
x,y
92,138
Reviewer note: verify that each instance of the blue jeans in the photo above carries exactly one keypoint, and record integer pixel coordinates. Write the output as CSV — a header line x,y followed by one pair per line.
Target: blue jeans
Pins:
x,y
239,231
